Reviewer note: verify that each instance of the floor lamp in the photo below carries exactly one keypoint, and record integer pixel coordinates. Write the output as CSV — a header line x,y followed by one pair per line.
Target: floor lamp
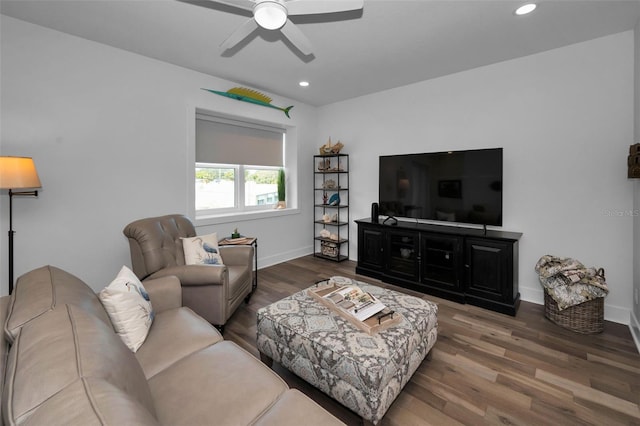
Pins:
x,y
17,173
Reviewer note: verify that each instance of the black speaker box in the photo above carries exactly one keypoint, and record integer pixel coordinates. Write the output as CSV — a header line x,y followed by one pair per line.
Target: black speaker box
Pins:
x,y
374,212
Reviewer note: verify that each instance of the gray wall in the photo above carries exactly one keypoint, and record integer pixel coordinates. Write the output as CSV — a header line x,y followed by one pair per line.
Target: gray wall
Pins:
x,y
111,134
564,118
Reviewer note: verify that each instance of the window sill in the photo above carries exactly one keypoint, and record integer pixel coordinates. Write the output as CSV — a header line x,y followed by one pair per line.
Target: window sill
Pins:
x,y
236,217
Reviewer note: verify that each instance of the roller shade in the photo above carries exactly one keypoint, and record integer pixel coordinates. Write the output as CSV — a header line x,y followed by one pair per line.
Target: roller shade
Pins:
x,y
228,142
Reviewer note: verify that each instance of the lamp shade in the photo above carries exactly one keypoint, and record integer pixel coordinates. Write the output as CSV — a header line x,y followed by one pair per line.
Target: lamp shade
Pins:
x,y
18,172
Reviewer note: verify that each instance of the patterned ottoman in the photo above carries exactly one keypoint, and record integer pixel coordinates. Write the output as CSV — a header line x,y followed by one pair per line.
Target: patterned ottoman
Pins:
x,y
365,373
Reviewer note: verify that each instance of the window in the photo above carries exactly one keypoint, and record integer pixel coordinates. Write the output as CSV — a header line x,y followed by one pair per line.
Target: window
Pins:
x,y
236,166
215,187
260,186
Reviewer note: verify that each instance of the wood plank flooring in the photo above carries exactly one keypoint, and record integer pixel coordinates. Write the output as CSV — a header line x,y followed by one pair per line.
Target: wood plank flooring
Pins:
x,y
487,368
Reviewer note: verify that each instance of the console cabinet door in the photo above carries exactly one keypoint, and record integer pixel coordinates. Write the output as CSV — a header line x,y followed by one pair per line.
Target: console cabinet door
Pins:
x,y
441,261
371,248
403,253
489,267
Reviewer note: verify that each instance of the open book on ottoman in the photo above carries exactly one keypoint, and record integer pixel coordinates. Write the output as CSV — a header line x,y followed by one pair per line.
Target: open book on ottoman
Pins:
x,y
361,308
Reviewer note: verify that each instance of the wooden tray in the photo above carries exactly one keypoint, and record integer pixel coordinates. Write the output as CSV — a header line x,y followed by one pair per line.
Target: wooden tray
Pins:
x,y
242,241
370,326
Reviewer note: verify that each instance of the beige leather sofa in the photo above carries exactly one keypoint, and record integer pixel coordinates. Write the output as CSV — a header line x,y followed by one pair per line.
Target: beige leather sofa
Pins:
x,y
62,363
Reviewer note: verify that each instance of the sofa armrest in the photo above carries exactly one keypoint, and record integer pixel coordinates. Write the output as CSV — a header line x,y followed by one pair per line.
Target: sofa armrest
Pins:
x,y
165,293
237,255
4,345
195,274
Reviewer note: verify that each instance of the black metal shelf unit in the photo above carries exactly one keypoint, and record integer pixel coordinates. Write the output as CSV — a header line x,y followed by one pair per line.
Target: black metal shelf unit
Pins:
x,y
331,207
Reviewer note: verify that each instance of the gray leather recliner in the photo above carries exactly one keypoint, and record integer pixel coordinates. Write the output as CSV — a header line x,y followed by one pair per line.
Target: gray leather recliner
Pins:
x,y
213,291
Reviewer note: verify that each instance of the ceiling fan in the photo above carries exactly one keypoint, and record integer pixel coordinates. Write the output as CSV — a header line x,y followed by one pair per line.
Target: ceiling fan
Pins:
x,y
274,15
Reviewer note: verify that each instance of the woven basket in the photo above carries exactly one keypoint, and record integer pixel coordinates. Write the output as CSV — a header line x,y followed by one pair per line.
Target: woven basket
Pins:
x,y
329,249
585,318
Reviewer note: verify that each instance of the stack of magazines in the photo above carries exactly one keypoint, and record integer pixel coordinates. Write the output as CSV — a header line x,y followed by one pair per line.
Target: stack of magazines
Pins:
x,y
356,302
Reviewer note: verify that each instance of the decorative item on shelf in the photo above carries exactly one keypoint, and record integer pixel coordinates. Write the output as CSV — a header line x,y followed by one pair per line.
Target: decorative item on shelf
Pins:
x,y
326,218
252,96
334,217
324,165
334,237
633,161
334,200
328,149
330,184
235,233
325,233
325,198
281,190
338,168
329,249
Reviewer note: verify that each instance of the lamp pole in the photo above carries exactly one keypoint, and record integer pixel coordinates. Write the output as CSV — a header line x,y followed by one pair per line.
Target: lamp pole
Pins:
x,y
12,232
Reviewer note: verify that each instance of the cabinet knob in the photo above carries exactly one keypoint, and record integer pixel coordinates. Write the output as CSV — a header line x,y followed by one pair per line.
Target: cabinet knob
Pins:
x,y
466,266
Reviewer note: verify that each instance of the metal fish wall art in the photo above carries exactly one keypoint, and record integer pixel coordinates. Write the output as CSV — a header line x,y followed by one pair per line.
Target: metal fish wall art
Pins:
x,y
252,96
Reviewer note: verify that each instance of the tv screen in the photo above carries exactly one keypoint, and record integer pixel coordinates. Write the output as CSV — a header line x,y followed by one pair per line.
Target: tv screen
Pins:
x,y
454,186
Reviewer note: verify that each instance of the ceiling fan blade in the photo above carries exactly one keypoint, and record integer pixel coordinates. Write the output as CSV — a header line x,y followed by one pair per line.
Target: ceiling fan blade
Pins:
x,y
306,7
240,34
296,37
240,4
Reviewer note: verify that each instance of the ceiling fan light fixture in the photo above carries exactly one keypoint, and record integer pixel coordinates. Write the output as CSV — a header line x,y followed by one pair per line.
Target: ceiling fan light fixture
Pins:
x,y
270,15
525,9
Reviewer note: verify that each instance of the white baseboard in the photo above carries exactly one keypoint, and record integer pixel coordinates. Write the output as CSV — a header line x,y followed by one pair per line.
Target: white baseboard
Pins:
x,y
266,261
616,314
532,295
634,327
612,313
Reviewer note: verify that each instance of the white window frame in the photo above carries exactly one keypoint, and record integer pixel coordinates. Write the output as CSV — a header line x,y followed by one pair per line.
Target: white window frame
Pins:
x,y
242,195
239,190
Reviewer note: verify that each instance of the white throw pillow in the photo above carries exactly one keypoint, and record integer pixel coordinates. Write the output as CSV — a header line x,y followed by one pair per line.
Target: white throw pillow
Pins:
x,y
129,308
202,249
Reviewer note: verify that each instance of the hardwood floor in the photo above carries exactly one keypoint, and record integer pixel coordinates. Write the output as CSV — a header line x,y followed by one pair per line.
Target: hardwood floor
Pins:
x,y
486,368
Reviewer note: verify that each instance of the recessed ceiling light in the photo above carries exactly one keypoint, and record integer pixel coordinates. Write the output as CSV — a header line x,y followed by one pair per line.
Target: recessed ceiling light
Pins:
x,y
526,8
304,83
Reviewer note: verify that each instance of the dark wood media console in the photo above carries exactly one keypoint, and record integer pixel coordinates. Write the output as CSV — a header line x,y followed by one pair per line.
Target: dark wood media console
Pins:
x,y
465,265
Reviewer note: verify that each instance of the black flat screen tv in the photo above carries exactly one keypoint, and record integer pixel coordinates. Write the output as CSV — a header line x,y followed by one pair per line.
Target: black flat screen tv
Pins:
x,y
454,186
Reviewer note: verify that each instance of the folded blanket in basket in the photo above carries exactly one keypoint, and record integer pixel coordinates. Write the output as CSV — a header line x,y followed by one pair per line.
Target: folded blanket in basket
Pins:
x,y
569,282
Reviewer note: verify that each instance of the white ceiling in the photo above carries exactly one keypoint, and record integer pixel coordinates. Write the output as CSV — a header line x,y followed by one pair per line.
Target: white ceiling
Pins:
x,y
387,44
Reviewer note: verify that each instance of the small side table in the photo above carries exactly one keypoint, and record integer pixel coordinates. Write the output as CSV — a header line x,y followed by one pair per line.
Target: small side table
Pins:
x,y
245,241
